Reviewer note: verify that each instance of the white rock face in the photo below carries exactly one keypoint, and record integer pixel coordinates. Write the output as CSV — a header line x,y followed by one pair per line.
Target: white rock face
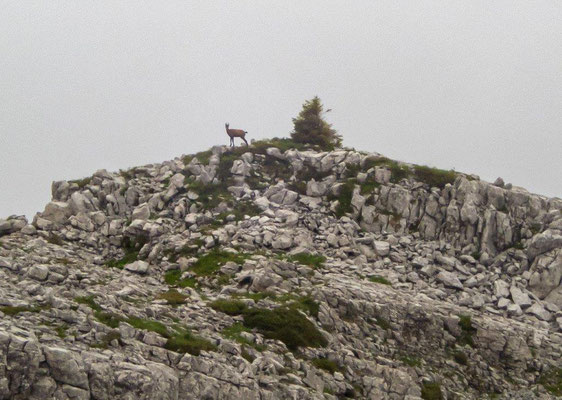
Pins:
x,y
413,269
139,267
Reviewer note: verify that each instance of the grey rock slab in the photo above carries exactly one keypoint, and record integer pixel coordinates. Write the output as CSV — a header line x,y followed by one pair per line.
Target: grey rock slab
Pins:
x,y
66,367
449,279
38,272
519,297
381,248
139,267
538,310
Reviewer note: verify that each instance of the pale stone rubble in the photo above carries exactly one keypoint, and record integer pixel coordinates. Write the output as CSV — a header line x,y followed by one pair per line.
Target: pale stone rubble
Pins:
x,y
493,252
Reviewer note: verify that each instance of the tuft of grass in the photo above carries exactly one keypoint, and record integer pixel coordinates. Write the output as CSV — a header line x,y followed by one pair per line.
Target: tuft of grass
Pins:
x,y
382,322
552,381
431,391
61,330
460,357
325,364
172,297
89,301
380,279
344,198
306,304
55,239
82,183
467,330
186,342
286,325
312,260
434,177
129,257
107,339
411,361
108,318
149,325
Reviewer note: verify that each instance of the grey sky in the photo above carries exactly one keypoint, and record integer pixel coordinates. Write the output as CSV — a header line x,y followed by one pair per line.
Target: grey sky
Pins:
x,y
475,86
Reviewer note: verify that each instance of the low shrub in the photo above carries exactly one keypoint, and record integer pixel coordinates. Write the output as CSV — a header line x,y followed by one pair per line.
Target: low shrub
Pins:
x,y
431,391
325,364
380,279
172,297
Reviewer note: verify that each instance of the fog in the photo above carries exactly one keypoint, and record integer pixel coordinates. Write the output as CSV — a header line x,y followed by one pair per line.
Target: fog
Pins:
x,y
475,86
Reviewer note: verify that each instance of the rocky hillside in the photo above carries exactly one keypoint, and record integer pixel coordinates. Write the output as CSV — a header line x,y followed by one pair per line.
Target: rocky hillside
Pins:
x,y
279,272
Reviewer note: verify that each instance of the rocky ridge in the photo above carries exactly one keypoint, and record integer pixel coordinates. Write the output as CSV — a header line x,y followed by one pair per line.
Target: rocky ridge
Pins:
x,y
272,272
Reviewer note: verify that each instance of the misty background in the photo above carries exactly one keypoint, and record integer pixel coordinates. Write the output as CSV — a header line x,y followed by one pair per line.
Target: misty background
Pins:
x,y
475,86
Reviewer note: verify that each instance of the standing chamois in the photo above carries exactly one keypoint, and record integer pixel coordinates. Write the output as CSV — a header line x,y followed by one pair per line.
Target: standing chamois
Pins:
x,y
235,133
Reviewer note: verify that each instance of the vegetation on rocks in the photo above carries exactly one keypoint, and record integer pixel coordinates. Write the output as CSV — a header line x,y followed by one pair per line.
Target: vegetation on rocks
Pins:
x,y
310,127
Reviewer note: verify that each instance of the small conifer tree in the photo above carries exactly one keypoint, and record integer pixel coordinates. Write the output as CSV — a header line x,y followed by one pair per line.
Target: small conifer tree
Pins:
x,y
311,128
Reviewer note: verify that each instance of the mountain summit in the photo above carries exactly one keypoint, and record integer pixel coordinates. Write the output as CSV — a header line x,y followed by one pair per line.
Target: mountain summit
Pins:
x,y
278,271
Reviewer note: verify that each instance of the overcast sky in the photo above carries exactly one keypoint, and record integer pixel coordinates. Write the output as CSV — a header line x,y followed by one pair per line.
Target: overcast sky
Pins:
x,y
471,85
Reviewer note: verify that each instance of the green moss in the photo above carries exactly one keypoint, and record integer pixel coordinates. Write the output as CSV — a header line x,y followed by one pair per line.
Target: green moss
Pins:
x,y
431,391
380,279
552,381
172,297
369,187
286,325
325,364
230,307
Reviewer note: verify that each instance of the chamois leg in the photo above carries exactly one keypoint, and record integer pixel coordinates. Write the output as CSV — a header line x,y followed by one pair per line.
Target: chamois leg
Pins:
x,y
244,139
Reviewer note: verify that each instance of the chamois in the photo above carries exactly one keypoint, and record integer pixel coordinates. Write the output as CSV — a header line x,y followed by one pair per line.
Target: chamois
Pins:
x,y
235,133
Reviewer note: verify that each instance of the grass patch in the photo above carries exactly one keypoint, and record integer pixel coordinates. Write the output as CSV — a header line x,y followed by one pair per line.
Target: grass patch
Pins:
x,y
230,307
14,310
82,183
173,278
382,322
89,301
107,339
184,341
467,330
411,361
431,391
131,246
172,297
434,177
325,364
312,260
55,239
460,357
61,330
306,304
283,324
107,318
380,279
552,381
344,199
149,325
210,263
